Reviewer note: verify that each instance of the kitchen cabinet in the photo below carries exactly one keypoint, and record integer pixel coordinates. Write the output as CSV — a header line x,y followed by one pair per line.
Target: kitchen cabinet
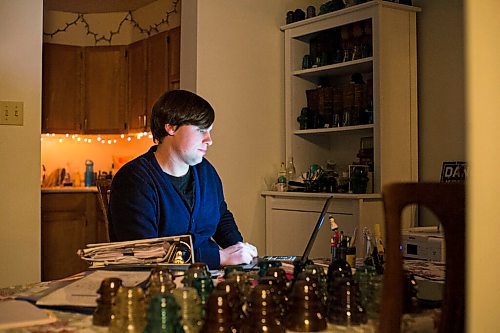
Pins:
x,y
69,222
153,69
105,89
174,58
138,113
158,76
62,91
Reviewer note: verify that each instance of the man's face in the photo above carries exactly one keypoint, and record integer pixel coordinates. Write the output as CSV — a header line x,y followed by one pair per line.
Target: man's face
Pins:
x,y
190,143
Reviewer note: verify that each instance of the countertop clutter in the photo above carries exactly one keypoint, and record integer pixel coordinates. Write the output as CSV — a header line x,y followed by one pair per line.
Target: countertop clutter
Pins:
x,y
69,189
62,180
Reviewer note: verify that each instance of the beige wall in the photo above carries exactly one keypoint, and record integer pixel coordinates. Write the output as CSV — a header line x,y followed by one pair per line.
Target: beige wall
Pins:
x,y
441,94
20,73
483,119
233,56
239,70
441,100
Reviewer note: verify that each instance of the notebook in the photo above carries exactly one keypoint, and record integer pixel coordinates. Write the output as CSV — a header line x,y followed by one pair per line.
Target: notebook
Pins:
x,y
301,259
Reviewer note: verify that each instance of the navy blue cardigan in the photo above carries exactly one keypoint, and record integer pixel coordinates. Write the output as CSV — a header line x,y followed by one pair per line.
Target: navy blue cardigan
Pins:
x,y
145,204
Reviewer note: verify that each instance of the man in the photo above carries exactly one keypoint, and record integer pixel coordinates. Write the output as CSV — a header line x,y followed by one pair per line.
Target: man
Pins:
x,y
173,190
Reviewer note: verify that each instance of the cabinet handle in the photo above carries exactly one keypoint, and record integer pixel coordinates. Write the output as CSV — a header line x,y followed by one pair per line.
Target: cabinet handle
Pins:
x,y
140,120
145,121
85,123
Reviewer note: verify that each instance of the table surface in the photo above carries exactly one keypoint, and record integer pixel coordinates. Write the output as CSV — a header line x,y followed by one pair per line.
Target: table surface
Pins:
x,y
424,322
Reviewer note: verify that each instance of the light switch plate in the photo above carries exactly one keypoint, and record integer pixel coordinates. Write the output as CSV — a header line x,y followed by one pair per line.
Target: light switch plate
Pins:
x,y
11,113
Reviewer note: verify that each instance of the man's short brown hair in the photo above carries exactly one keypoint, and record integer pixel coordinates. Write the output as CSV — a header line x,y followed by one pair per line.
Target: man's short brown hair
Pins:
x,y
177,108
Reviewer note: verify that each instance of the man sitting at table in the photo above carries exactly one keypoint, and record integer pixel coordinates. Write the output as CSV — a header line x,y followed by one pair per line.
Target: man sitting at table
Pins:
x,y
172,189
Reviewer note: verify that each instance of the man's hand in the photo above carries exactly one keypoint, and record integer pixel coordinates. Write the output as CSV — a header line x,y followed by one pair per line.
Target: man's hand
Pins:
x,y
239,253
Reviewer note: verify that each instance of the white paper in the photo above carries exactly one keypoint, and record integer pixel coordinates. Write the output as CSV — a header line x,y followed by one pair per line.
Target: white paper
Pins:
x,y
15,313
84,292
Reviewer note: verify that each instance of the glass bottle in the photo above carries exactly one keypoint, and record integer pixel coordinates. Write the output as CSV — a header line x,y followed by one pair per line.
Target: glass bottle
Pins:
x,y
129,311
339,271
89,173
190,309
305,309
262,312
370,290
282,186
160,281
235,301
290,170
107,291
219,317
204,287
163,315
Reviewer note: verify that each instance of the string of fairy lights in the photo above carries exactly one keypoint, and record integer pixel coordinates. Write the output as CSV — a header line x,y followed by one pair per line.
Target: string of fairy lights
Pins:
x,y
99,139
99,37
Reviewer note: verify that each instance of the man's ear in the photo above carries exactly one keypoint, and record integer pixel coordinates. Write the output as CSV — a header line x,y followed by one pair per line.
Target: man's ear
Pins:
x,y
170,129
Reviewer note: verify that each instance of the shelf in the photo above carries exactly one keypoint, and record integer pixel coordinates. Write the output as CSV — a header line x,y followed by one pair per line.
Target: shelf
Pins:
x,y
322,195
390,74
347,11
333,129
355,66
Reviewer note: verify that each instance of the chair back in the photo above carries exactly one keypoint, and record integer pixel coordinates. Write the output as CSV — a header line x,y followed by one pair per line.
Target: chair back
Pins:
x,y
447,202
103,188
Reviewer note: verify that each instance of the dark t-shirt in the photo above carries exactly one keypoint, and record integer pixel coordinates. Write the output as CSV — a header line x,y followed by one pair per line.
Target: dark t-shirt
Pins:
x,y
185,187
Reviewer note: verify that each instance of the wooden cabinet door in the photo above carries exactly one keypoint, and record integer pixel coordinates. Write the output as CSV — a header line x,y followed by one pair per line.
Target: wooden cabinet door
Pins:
x,y
70,221
62,93
174,58
63,233
138,114
105,88
157,67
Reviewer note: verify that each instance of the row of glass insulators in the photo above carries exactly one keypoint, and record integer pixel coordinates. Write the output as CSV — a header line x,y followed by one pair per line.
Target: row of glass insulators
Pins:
x,y
232,306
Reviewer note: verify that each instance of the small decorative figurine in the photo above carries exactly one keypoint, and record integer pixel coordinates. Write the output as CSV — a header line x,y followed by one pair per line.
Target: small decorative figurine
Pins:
x,y
303,119
310,12
178,258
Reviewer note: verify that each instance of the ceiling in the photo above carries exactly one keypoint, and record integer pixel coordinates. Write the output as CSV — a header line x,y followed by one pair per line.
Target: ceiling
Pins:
x,y
94,6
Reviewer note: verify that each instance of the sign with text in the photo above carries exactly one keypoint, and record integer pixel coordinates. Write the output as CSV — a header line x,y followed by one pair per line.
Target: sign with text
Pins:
x,y
454,172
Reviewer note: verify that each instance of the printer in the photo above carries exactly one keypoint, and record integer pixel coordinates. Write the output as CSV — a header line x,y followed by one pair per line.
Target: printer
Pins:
x,y
425,243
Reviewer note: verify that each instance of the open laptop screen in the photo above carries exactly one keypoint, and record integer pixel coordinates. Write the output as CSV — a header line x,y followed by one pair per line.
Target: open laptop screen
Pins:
x,y
310,243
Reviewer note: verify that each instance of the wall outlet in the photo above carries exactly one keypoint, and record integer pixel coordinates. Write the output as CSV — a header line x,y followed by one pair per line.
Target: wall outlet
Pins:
x,y
11,113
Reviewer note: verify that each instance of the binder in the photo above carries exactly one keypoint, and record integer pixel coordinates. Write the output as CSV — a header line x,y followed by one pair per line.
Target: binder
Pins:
x,y
175,252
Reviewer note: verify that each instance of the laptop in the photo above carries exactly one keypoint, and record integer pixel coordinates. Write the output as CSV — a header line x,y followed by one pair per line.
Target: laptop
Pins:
x,y
301,259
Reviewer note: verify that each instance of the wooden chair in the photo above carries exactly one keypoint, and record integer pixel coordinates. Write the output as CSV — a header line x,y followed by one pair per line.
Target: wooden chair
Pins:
x,y
447,202
103,188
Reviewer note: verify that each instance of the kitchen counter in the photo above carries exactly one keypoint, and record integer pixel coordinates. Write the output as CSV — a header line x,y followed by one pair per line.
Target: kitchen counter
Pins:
x,y
69,189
